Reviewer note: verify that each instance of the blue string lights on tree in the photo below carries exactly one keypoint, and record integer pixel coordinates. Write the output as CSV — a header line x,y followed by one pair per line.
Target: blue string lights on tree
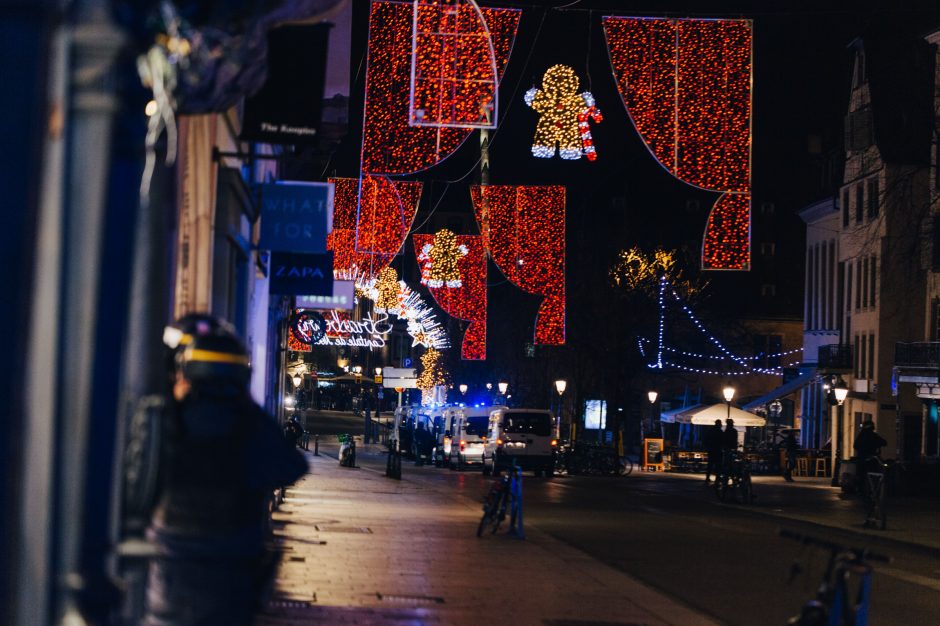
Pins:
x,y
746,363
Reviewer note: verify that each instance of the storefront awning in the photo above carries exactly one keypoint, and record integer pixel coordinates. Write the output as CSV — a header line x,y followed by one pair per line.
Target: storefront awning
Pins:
x,y
703,415
806,377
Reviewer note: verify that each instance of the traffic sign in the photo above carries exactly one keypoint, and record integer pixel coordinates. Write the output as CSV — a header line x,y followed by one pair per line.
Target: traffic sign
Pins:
x,y
406,362
408,383
399,372
378,379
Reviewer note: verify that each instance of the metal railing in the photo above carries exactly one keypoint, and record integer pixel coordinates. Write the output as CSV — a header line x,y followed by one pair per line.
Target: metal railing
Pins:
x,y
835,357
917,354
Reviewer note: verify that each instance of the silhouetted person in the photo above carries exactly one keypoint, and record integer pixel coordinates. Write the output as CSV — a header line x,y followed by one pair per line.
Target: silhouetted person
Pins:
x,y
791,447
729,445
224,458
293,431
868,444
712,442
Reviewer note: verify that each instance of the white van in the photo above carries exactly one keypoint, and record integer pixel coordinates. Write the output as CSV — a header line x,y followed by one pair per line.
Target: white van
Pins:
x,y
470,428
524,435
444,432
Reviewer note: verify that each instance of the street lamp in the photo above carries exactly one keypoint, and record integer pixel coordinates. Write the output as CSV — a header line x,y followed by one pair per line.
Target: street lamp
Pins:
x,y
560,386
841,391
728,393
296,379
463,389
378,371
502,388
651,396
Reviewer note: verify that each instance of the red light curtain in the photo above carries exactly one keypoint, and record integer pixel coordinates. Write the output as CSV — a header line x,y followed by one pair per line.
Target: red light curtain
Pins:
x,y
467,302
525,228
385,216
389,144
686,84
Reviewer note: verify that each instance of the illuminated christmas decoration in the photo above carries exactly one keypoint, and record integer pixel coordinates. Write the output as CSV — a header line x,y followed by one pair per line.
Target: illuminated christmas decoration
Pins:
x,y
727,241
454,73
439,258
433,376
421,322
525,227
563,116
382,216
640,271
390,145
387,287
467,302
686,84
744,364
296,345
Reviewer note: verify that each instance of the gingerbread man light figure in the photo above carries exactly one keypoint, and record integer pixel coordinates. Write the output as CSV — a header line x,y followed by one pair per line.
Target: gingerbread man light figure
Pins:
x,y
439,261
564,116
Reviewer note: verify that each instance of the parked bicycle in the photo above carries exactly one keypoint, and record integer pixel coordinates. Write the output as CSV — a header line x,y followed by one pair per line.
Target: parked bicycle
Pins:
x,y
593,459
734,479
504,495
874,494
833,603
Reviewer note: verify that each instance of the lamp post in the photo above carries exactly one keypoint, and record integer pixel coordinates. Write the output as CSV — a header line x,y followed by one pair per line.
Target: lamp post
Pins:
x,y
560,386
841,391
651,396
463,389
728,393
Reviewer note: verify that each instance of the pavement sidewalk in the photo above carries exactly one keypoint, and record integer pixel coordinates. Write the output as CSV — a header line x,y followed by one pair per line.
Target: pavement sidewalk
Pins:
x,y
360,548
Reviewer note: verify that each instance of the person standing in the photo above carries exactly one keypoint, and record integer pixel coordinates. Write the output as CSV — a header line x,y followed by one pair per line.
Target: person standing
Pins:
x,y
225,457
712,442
790,447
867,445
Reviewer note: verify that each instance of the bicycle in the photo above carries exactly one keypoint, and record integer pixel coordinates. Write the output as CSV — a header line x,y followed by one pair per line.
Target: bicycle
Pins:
x,y
626,466
873,494
735,476
495,505
833,604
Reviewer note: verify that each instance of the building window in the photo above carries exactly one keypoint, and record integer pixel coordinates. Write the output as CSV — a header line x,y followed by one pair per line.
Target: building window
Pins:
x,y
865,282
848,286
858,285
768,249
768,290
858,356
873,198
767,208
871,356
859,201
845,208
873,283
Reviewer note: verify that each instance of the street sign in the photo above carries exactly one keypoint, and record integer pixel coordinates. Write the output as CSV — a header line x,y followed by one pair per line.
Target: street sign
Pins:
x,y
406,362
395,383
399,372
342,299
378,380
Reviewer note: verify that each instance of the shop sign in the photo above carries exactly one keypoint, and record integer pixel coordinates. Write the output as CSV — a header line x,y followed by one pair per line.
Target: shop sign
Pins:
x,y
309,274
367,332
294,216
343,298
308,327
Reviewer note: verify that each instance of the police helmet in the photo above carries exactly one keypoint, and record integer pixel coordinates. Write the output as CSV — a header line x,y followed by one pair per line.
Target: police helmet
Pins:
x,y
218,356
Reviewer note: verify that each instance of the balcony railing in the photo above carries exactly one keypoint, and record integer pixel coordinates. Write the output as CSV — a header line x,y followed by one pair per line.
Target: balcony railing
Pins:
x,y
835,356
917,354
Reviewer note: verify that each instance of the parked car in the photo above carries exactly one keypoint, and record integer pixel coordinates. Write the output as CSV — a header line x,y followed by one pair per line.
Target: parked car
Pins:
x,y
525,437
470,431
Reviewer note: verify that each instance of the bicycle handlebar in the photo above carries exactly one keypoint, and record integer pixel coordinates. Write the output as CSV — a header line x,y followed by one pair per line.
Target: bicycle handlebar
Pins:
x,y
860,553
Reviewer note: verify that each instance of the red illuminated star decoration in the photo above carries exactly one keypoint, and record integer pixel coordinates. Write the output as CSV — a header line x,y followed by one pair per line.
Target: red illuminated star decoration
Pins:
x,y
686,84
390,145
468,301
526,240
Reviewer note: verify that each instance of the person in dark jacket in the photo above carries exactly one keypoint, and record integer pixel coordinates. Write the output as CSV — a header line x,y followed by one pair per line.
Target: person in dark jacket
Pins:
x,y
712,442
225,457
729,445
791,447
867,445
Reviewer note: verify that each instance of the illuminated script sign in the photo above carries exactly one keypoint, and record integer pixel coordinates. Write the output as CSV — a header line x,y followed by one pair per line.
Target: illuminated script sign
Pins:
x,y
368,332
309,327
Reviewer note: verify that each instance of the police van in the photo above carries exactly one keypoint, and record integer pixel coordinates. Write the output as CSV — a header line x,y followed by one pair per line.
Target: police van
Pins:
x,y
525,437
469,435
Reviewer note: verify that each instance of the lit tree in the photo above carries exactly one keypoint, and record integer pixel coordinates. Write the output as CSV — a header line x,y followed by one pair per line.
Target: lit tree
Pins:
x,y
433,375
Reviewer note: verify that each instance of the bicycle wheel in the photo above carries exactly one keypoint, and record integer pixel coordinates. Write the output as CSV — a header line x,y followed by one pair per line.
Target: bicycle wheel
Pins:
x,y
501,511
626,466
490,507
747,490
722,487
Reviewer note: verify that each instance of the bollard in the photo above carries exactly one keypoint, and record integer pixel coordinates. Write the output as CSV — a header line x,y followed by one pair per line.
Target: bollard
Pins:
x,y
515,490
316,445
